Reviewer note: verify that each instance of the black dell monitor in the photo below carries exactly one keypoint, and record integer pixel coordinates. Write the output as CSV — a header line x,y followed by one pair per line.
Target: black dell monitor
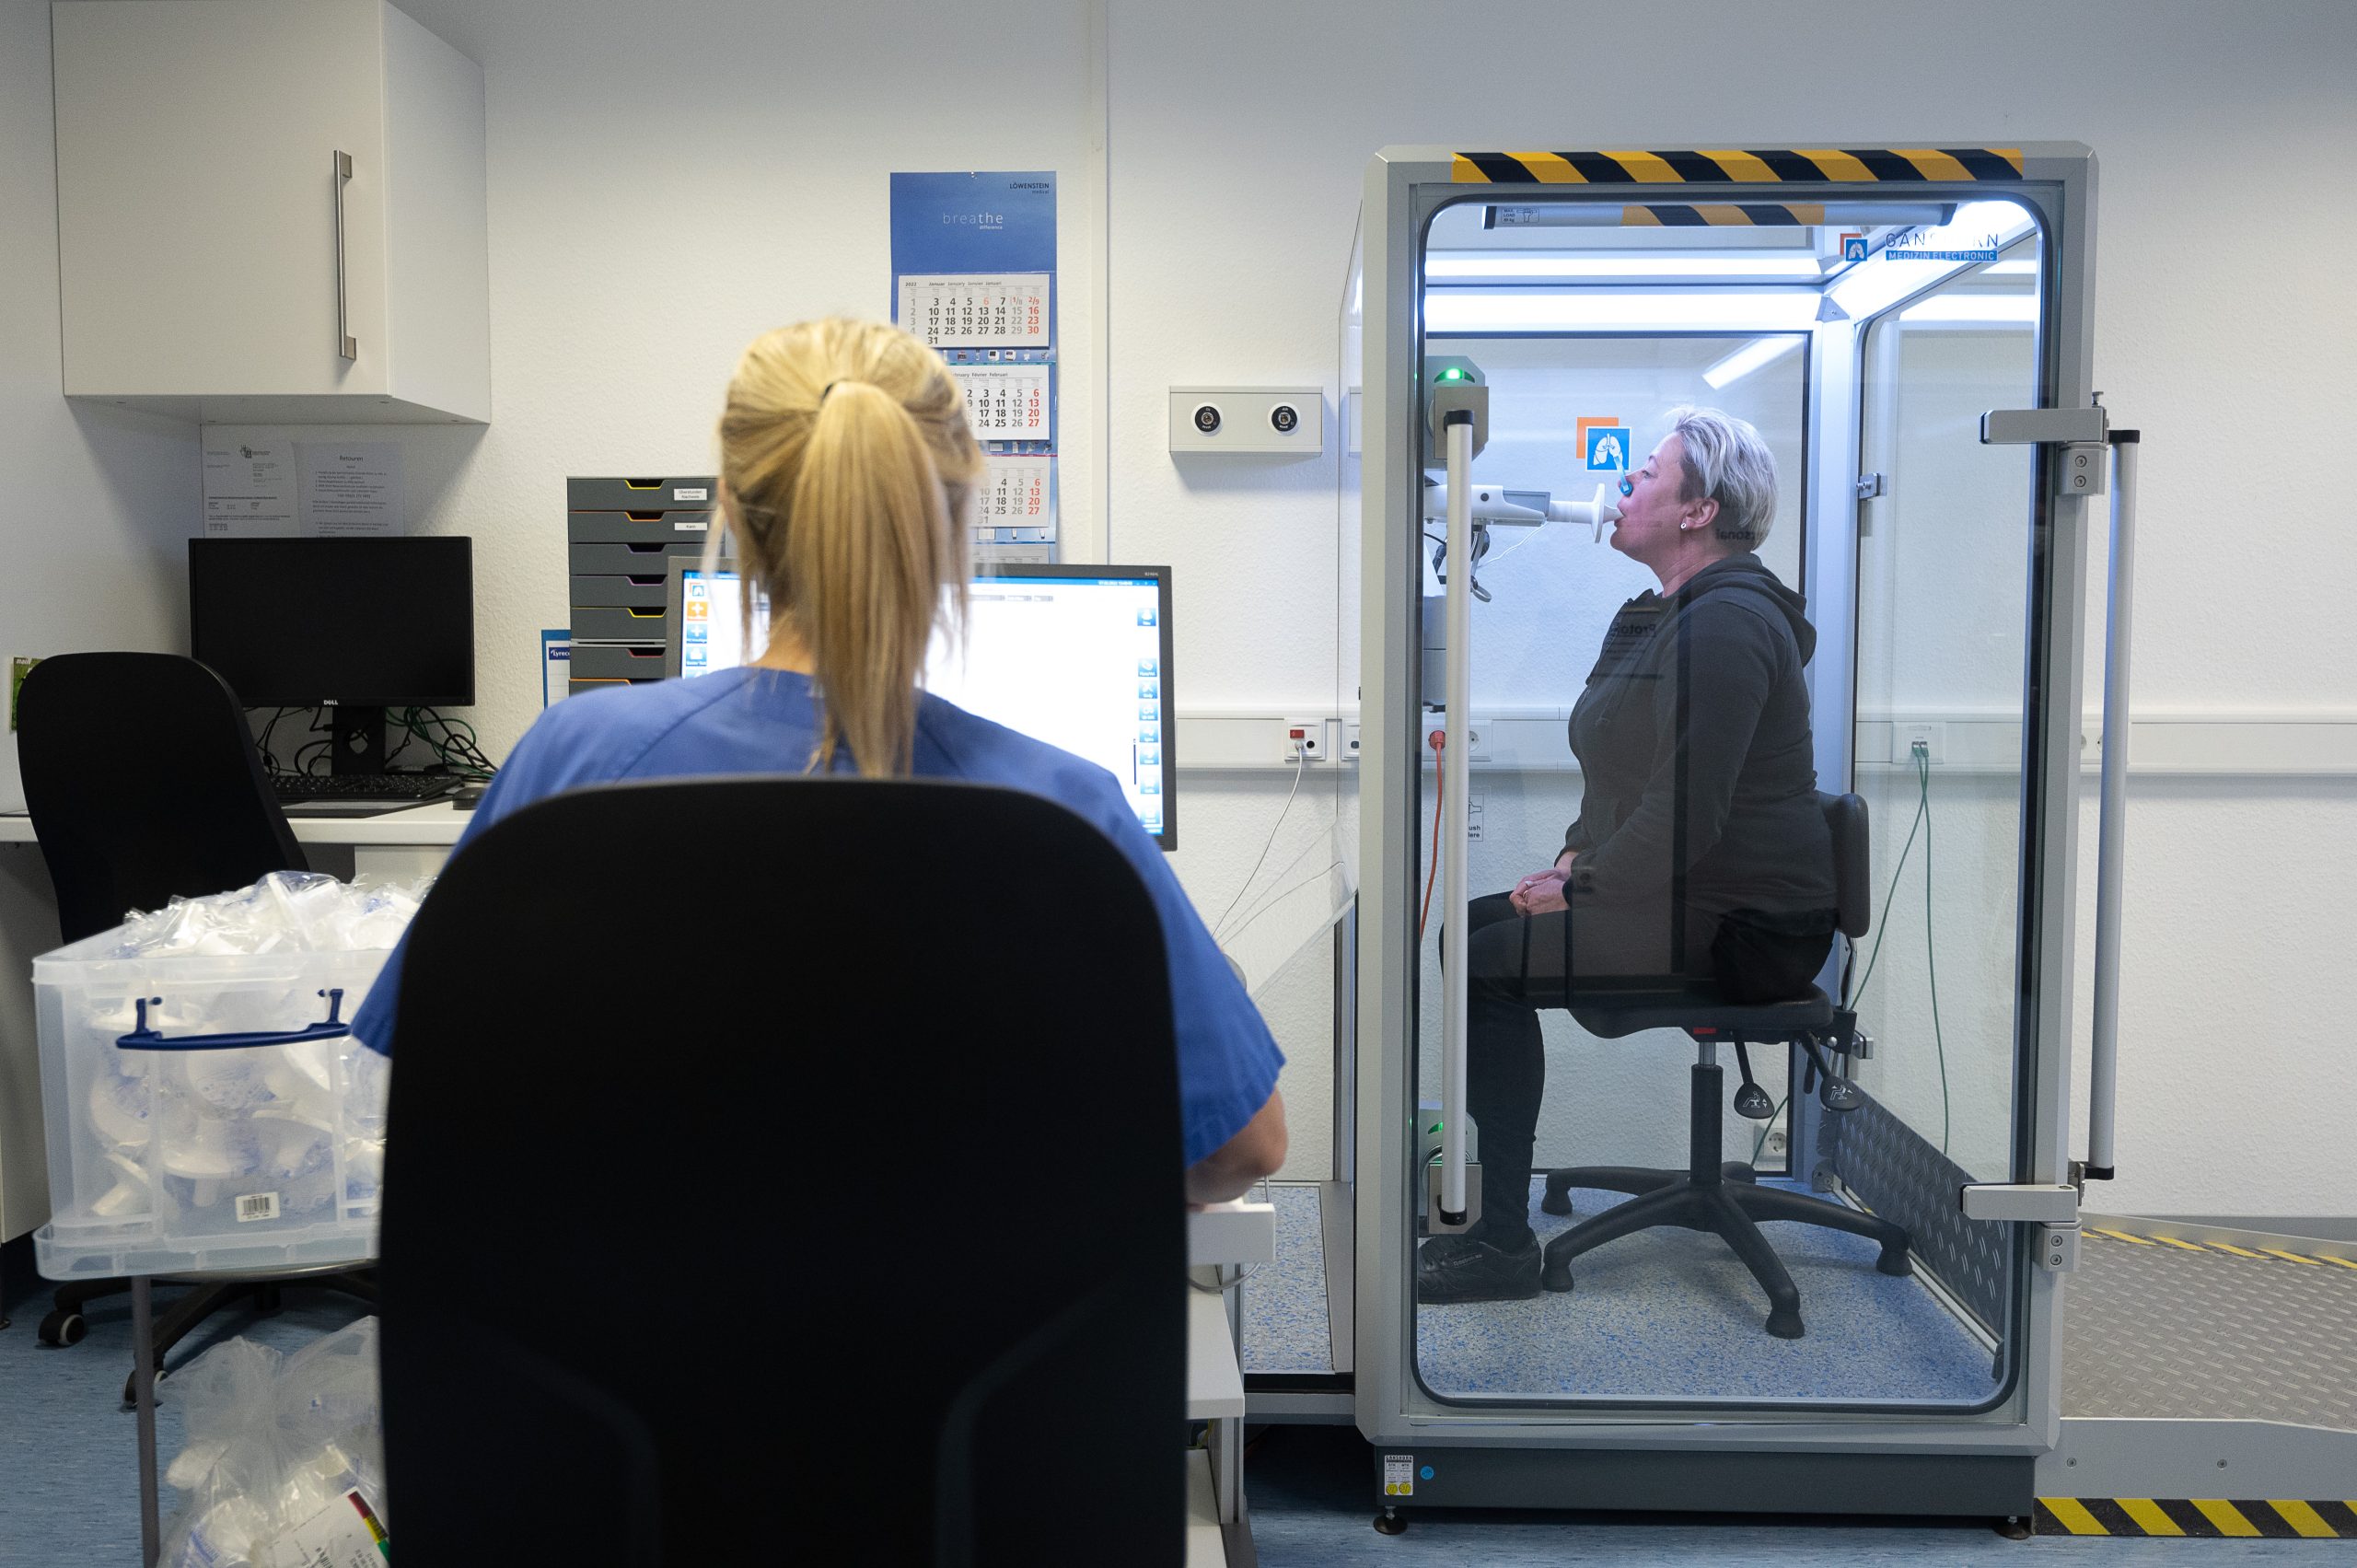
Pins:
x,y
353,625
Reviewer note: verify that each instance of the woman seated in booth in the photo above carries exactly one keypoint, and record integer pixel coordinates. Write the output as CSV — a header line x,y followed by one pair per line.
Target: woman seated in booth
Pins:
x,y
846,472
1699,851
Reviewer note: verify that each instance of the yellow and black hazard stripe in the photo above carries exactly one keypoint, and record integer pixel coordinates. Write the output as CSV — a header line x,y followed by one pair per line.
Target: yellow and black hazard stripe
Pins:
x,y
2209,1518
2225,1249
1753,214
1730,166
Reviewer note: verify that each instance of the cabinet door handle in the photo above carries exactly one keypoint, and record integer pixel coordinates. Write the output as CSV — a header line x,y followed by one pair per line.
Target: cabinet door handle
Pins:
x,y
345,343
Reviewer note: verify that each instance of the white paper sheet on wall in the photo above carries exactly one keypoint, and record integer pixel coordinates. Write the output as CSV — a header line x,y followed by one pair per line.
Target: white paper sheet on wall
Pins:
x,y
974,311
248,488
350,487
1005,402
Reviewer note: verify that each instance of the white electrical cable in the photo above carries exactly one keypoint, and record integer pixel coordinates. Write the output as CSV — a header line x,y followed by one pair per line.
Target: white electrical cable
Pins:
x,y
1300,766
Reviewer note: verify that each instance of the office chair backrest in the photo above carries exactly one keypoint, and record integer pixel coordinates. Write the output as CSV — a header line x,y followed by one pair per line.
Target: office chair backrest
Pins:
x,y
1845,818
772,1156
142,780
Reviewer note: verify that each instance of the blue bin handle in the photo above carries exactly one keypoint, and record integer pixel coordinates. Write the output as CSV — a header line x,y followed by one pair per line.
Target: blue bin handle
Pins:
x,y
145,1038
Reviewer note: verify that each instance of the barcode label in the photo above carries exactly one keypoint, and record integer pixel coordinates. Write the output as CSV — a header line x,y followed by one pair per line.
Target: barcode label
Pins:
x,y
257,1206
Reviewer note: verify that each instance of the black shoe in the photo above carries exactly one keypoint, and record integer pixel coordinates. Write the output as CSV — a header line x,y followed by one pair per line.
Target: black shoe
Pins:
x,y
1476,1270
1450,1243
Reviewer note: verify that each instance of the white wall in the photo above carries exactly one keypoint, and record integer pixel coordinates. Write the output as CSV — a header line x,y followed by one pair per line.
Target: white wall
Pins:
x,y
668,180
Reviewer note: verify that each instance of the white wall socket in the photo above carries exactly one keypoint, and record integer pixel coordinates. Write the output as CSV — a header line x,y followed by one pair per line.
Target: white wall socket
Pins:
x,y
1933,733
1264,420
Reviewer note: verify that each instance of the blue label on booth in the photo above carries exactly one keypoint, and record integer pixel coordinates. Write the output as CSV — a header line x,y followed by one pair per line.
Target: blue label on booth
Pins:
x,y
1608,447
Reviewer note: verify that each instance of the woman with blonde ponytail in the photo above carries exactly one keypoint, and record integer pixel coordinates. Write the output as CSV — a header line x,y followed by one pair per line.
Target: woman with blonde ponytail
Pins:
x,y
846,472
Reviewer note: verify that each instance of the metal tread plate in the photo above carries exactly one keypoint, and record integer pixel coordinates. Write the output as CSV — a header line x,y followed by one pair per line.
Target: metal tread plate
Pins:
x,y
2159,1325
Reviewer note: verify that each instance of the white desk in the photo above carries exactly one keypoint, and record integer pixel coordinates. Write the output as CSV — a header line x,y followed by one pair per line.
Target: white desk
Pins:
x,y
389,845
399,845
1221,1239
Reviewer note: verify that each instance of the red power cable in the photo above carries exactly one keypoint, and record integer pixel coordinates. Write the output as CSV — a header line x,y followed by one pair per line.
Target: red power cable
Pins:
x,y
1437,740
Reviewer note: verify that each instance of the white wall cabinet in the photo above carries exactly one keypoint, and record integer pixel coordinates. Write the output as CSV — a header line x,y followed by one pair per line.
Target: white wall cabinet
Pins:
x,y
271,211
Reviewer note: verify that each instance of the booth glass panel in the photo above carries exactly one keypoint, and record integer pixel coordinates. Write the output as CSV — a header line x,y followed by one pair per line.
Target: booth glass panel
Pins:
x,y
1558,645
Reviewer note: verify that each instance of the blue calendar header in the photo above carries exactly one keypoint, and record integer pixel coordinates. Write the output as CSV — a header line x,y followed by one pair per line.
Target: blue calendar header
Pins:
x,y
990,224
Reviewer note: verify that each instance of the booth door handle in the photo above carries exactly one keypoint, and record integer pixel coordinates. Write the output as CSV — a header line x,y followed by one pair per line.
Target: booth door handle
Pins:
x,y
141,1038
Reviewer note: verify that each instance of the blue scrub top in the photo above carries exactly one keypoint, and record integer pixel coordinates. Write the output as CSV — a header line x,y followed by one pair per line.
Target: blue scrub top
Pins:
x,y
763,721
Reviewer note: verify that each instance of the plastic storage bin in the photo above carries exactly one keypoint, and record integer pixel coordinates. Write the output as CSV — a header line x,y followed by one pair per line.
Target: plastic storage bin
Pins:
x,y
207,1110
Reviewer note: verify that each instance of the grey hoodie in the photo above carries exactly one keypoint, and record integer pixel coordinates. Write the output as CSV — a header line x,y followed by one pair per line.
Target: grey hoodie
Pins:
x,y
1693,742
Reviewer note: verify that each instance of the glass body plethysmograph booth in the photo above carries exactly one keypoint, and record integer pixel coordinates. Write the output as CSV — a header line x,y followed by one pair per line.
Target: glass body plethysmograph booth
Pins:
x,y
1862,309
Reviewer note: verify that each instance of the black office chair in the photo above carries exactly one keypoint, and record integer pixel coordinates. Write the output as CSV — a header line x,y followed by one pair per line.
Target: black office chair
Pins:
x,y
750,1030
142,781
1712,1194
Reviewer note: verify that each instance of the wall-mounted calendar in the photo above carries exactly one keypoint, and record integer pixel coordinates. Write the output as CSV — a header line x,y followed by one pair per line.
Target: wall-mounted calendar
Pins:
x,y
973,275
1017,493
1005,402
969,310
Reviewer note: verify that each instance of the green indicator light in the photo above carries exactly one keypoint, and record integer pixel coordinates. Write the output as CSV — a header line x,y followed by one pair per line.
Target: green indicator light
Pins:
x,y
1452,374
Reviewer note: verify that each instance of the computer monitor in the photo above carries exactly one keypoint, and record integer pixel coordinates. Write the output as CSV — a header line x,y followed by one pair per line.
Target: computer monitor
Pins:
x,y
1078,657
358,625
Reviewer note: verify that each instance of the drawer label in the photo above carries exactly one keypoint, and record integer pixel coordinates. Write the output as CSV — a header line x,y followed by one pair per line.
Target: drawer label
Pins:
x,y
700,492
686,525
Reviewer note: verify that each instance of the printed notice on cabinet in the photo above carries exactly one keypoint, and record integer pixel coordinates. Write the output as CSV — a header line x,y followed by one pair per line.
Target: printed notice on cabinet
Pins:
x,y
350,487
249,487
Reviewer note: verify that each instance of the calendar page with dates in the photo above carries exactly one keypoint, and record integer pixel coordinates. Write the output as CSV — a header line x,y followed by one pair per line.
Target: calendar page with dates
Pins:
x,y
1005,402
972,310
1015,492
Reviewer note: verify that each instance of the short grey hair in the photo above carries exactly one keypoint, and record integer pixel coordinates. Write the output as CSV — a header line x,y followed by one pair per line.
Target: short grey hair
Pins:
x,y
1727,463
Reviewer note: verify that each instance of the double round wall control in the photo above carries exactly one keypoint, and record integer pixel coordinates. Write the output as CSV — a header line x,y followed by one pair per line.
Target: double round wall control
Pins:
x,y
1207,419
1286,418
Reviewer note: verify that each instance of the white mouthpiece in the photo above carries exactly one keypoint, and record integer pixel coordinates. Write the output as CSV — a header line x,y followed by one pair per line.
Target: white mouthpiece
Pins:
x,y
1592,513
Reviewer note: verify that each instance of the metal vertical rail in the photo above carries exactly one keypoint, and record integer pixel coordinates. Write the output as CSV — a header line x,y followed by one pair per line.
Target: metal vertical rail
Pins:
x,y
2103,1065
1449,842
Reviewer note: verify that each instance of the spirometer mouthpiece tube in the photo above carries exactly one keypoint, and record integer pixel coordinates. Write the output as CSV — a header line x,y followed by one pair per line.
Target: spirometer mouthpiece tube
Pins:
x,y
1592,513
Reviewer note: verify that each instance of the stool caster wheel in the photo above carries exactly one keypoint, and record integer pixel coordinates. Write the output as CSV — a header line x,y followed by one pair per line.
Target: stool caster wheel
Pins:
x,y
1555,1200
1555,1276
1389,1523
62,1326
1895,1260
1785,1324
130,1391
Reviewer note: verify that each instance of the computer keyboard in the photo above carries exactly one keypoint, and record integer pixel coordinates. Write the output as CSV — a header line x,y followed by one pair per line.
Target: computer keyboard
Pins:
x,y
364,786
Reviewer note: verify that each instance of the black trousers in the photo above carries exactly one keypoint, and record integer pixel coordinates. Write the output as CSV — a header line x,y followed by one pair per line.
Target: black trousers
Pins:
x,y
1517,965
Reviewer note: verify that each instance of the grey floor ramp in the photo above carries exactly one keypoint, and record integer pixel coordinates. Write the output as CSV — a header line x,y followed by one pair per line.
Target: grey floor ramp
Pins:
x,y
2165,1327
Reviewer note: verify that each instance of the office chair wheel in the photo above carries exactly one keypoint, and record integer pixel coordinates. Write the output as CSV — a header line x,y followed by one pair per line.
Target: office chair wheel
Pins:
x,y
1555,1200
1896,1261
63,1327
1785,1325
1555,1276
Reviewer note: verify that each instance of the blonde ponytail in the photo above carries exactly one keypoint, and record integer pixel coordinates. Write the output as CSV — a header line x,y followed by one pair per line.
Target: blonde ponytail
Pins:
x,y
847,453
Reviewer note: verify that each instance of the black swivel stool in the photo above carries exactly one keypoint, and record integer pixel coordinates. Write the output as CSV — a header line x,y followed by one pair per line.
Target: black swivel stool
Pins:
x,y
749,1103
1712,1194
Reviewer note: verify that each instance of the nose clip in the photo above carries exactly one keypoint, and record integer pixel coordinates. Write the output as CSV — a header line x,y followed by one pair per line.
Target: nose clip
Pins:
x,y
1627,488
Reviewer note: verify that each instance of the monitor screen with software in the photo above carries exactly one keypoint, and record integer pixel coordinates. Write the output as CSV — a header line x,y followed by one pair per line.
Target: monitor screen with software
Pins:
x,y
1078,657
358,625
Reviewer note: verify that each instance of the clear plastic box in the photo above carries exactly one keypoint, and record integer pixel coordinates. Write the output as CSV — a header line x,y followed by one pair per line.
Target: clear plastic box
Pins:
x,y
249,1134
